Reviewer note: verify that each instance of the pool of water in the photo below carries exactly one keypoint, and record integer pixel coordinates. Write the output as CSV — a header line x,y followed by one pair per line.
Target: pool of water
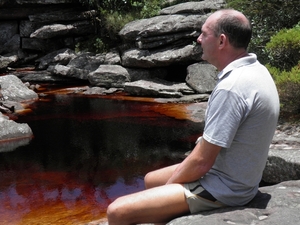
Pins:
x,y
86,152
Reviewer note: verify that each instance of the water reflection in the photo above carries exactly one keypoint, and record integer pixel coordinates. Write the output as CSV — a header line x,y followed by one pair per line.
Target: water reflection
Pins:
x,y
85,153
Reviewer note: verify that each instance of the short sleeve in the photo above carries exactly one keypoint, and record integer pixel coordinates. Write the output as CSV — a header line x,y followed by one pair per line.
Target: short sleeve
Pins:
x,y
224,114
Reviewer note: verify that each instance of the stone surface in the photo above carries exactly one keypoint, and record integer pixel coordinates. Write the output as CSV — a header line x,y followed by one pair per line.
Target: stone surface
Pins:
x,y
278,204
201,7
14,134
160,58
157,88
109,76
13,89
201,77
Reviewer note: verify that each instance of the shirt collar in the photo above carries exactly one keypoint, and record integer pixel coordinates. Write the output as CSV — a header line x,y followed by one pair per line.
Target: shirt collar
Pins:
x,y
251,58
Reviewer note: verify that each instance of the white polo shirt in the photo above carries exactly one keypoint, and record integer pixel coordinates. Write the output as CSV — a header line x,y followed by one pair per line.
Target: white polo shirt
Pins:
x,y
241,117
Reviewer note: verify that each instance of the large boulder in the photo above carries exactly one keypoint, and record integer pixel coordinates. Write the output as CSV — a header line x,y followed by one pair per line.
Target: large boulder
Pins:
x,y
139,58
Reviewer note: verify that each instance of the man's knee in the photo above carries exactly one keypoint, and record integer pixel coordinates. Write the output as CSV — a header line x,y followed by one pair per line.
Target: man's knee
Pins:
x,y
149,180
115,212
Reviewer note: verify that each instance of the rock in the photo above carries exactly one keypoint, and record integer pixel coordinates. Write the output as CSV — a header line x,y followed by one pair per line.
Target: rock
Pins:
x,y
70,14
202,77
100,91
8,30
42,45
109,76
62,56
161,25
13,89
282,165
158,88
201,7
7,61
70,72
273,205
87,61
278,204
12,45
57,30
145,74
138,58
42,77
10,130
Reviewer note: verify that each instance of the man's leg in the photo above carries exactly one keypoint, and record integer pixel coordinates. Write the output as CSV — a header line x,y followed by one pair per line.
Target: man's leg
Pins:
x,y
159,177
155,205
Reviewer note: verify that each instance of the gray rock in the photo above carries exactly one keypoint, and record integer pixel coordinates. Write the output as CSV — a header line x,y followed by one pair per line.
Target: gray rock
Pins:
x,y
7,61
109,76
145,74
42,77
87,61
161,58
27,27
282,165
10,130
158,88
8,30
201,7
70,72
273,205
13,89
62,56
48,45
57,30
278,204
201,77
161,25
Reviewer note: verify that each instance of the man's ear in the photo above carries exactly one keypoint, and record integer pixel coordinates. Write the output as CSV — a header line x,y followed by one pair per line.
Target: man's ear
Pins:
x,y
222,40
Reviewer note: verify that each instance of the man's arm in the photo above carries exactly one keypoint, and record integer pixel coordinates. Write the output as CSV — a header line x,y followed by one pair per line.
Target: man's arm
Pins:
x,y
197,164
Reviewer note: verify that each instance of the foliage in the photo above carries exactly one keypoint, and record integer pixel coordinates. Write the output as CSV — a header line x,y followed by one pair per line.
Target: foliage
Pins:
x,y
114,14
267,18
284,48
288,85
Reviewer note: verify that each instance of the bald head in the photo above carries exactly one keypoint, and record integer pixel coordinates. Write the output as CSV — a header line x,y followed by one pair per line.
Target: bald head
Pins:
x,y
234,25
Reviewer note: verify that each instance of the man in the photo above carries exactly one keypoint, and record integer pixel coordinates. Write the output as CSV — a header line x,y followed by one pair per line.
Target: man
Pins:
x,y
226,165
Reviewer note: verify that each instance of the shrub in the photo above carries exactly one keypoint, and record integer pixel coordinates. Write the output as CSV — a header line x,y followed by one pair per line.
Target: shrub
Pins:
x,y
267,18
284,48
288,85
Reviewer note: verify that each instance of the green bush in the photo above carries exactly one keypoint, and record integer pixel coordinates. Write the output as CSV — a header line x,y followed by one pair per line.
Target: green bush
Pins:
x,y
284,48
267,18
288,85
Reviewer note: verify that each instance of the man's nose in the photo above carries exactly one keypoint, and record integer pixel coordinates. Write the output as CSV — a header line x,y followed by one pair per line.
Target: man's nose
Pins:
x,y
199,39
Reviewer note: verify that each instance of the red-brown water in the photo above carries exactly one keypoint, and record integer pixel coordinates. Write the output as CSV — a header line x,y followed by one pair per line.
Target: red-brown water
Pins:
x,y
85,153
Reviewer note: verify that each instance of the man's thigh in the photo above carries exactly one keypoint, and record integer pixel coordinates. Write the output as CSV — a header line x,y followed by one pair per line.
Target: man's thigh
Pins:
x,y
159,204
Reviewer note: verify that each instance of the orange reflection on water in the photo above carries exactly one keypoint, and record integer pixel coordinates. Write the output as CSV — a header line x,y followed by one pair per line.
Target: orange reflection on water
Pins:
x,y
48,196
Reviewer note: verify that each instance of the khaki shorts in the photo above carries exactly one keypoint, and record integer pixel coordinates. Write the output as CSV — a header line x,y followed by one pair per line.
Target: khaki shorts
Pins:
x,y
199,199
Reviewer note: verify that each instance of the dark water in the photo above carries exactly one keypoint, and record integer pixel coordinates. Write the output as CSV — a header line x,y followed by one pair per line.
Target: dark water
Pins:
x,y
85,153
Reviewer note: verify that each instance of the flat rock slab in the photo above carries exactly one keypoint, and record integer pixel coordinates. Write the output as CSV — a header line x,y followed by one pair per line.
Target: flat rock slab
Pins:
x,y
273,205
278,204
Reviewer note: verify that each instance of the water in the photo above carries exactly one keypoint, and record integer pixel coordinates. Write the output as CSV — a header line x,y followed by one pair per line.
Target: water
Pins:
x,y
85,153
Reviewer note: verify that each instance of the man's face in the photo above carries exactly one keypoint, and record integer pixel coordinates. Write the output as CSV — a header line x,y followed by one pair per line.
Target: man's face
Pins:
x,y
208,41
